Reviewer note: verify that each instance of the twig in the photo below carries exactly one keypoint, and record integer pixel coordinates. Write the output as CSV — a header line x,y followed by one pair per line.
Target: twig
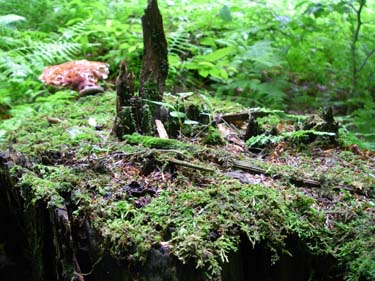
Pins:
x,y
366,59
303,182
190,165
91,271
240,116
245,165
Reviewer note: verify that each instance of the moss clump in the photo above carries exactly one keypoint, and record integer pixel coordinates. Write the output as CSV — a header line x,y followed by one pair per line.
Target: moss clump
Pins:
x,y
154,142
73,130
206,223
46,183
213,137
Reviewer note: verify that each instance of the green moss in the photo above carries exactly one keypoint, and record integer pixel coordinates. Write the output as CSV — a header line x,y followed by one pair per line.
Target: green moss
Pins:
x,y
72,130
154,142
213,137
187,222
199,215
46,183
146,119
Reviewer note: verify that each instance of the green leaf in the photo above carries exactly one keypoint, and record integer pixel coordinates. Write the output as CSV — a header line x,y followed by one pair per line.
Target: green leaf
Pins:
x,y
216,55
177,114
225,14
204,72
208,41
191,122
259,49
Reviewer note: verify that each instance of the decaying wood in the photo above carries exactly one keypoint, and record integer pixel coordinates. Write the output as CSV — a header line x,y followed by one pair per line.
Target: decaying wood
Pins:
x,y
252,129
63,241
230,135
155,55
154,69
240,116
124,87
126,103
161,130
137,113
190,165
248,166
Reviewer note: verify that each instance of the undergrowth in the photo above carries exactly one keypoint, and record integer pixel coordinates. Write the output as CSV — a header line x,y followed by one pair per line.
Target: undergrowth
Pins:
x,y
259,54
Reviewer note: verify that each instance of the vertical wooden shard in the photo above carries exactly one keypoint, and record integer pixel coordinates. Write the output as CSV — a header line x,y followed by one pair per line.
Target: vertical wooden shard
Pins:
x,y
155,55
125,123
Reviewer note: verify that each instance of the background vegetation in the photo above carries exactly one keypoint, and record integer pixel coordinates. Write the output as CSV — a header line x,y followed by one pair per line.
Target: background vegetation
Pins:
x,y
292,55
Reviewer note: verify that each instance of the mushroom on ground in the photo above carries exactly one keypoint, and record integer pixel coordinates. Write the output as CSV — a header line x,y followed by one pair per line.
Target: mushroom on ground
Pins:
x,y
80,75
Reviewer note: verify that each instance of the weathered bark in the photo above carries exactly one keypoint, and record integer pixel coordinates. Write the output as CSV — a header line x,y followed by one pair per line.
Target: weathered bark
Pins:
x,y
155,55
252,129
154,66
125,123
42,233
241,116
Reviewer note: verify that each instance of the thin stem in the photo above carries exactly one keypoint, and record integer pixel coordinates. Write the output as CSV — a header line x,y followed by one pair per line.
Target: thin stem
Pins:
x,y
366,59
354,44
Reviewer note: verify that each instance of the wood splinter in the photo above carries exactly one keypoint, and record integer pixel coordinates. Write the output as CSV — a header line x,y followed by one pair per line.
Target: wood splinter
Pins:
x,y
161,129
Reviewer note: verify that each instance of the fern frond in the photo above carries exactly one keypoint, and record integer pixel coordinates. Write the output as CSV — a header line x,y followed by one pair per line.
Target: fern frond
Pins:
x,y
178,43
76,30
12,65
53,52
8,19
24,61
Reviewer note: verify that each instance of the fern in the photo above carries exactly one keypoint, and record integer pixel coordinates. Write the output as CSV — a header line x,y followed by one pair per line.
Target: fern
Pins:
x,y
6,20
31,58
179,43
77,30
22,59
179,50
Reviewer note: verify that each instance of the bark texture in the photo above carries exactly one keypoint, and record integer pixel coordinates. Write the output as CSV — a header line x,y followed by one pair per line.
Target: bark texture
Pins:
x,y
155,55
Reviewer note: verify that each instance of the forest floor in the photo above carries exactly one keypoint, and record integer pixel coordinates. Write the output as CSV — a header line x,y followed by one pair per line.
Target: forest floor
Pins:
x,y
198,194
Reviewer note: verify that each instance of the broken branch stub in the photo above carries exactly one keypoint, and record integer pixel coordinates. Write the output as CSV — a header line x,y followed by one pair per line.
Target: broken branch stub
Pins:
x,y
126,104
155,55
154,65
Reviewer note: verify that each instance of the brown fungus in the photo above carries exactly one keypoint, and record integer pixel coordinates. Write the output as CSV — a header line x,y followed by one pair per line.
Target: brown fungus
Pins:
x,y
80,75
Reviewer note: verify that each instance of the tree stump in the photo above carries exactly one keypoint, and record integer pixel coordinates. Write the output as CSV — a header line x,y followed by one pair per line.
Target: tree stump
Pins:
x,y
138,113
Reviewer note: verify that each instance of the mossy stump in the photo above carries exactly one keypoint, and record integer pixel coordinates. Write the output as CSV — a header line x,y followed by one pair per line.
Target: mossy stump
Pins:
x,y
141,114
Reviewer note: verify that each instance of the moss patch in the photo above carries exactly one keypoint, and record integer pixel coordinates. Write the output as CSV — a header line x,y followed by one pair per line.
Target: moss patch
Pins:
x,y
137,199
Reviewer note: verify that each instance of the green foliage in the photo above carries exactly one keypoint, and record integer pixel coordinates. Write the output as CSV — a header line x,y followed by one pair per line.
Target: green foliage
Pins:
x,y
259,54
295,137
